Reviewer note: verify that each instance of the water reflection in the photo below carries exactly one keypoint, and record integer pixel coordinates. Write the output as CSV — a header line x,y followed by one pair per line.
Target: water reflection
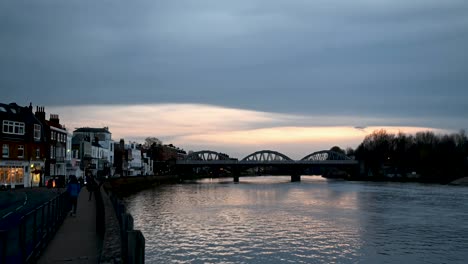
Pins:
x,y
270,219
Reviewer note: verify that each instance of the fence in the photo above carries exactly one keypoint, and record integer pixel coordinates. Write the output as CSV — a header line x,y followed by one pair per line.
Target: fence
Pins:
x,y
23,242
132,241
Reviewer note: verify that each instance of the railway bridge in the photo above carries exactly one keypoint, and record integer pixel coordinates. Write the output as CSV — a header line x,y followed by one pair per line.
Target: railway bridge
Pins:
x,y
315,163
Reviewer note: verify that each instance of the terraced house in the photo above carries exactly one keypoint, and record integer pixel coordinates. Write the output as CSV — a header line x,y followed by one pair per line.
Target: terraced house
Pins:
x,y
56,150
23,144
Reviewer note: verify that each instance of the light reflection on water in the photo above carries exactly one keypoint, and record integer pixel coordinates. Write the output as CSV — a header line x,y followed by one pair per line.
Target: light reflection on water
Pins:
x,y
271,220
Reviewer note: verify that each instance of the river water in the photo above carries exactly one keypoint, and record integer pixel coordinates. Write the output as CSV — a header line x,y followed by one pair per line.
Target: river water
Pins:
x,y
273,220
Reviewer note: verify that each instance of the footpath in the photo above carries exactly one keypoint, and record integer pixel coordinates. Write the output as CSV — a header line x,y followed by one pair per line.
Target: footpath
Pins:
x,y
76,240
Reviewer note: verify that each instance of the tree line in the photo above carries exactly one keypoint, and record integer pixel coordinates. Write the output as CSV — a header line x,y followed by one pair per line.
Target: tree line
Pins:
x,y
431,157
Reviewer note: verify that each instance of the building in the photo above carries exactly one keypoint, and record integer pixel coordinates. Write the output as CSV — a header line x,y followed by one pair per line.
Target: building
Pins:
x,y
147,163
164,158
56,139
94,148
120,159
135,165
24,146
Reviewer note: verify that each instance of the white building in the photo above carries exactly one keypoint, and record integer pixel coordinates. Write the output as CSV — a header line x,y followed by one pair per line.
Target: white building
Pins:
x,y
95,149
147,164
134,159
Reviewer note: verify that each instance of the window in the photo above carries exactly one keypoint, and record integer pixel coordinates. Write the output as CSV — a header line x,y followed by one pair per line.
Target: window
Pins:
x,y
10,127
38,153
20,151
52,152
37,132
52,135
5,151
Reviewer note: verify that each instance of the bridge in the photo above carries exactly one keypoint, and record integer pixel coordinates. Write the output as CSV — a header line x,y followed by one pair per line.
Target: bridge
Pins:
x,y
317,161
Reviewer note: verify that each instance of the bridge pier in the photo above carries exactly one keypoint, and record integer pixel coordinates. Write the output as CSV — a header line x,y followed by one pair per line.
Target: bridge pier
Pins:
x,y
295,178
236,174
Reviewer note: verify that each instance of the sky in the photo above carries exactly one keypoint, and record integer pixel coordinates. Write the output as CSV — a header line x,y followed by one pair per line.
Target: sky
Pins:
x,y
294,76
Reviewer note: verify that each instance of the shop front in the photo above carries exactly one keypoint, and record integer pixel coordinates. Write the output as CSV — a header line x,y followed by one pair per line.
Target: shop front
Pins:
x,y
17,174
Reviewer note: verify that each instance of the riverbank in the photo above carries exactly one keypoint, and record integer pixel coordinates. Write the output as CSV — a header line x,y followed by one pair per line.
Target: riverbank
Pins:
x,y
461,182
124,186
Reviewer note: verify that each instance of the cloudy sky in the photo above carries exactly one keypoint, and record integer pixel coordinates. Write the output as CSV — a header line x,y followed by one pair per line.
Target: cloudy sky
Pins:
x,y
238,76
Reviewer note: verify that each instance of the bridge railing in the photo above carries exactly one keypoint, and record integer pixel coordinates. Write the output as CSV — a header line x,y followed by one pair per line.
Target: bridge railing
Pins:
x,y
25,241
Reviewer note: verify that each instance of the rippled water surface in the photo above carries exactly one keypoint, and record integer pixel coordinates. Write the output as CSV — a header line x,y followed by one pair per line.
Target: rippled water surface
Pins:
x,y
271,220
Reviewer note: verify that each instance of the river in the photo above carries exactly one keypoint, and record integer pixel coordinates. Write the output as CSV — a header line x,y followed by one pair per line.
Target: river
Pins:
x,y
273,220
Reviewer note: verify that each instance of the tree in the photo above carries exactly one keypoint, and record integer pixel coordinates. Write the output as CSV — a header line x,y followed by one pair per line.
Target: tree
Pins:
x,y
349,151
338,150
150,141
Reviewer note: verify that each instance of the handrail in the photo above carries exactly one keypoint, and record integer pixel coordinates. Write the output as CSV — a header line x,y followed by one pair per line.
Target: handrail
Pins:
x,y
25,241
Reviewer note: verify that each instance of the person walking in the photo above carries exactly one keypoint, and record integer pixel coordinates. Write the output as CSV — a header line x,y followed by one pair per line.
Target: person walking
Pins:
x,y
90,185
73,190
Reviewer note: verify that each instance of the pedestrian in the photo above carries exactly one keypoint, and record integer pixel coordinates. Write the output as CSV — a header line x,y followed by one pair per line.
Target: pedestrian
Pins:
x,y
73,190
90,185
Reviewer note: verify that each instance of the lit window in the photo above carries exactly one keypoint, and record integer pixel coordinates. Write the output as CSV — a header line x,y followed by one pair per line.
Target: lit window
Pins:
x,y
20,151
11,127
37,132
5,151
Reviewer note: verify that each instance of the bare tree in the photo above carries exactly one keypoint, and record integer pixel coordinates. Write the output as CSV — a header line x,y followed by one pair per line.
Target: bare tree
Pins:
x,y
150,141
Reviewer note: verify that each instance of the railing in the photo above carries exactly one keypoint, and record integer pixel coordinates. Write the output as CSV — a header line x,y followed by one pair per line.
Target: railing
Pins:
x,y
132,241
24,242
100,213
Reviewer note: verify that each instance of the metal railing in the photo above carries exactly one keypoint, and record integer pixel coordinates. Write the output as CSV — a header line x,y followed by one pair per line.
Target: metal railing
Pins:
x,y
25,241
132,241
100,213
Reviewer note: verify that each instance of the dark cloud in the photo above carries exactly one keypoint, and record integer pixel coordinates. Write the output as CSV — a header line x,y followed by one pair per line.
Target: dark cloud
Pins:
x,y
383,58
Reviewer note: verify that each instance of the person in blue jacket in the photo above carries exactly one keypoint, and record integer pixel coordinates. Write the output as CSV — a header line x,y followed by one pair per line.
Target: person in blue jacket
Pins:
x,y
73,190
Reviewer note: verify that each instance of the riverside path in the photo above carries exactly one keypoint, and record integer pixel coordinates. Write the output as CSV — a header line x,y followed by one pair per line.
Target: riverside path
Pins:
x,y
76,240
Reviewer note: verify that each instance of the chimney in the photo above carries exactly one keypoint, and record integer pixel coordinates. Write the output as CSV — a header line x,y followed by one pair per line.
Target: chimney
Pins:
x,y
54,119
40,113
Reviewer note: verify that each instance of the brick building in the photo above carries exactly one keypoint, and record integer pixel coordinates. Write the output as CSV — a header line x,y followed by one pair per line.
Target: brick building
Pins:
x,y
24,147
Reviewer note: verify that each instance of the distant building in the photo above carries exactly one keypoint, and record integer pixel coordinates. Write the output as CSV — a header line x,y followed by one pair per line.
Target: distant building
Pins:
x,y
24,144
131,160
94,148
120,159
135,165
147,163
164,158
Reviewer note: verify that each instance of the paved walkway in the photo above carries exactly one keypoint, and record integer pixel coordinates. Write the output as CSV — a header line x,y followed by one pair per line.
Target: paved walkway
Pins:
x,y
76,240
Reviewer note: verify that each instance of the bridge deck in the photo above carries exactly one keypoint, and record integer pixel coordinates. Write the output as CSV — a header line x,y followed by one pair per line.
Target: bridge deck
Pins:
x,y
266,163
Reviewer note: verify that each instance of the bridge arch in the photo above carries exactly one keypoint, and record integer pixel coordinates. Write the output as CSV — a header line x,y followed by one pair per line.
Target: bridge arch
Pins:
x,y
266,155
206,155
325,155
